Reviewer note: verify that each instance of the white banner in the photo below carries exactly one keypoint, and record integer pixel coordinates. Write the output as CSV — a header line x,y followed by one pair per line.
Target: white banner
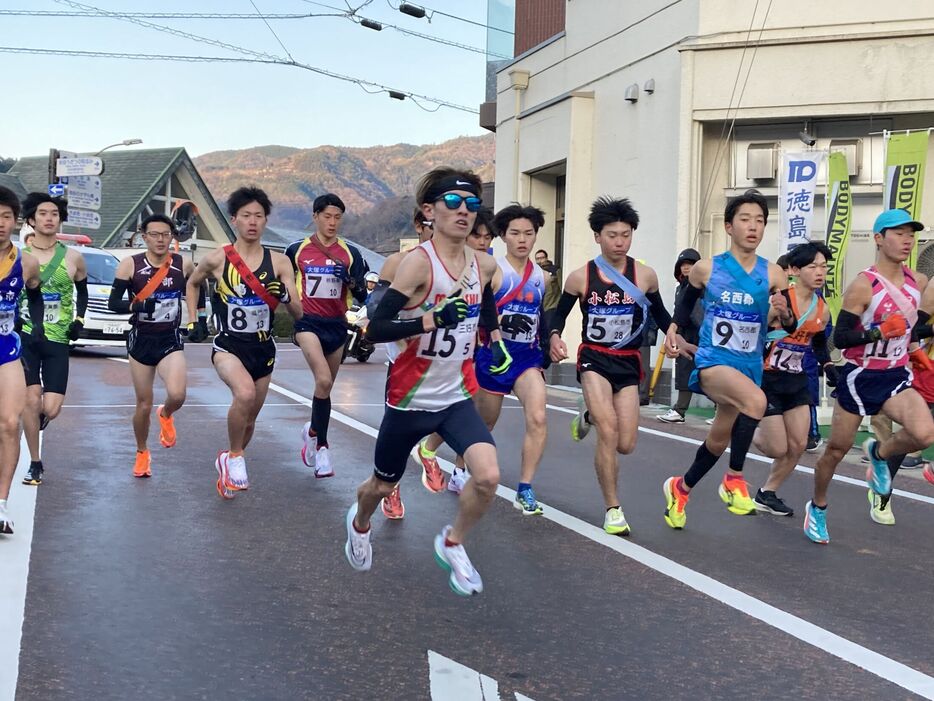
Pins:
x,y
798,181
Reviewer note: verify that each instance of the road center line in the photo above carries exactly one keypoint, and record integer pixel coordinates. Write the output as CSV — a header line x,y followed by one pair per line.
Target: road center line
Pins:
x,y
873,662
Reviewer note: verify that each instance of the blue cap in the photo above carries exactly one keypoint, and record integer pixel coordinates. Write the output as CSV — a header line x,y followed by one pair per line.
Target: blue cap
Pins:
x,y
891,218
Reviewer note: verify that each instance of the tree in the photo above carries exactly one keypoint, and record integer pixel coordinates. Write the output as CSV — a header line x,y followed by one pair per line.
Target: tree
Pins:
x,y
6,164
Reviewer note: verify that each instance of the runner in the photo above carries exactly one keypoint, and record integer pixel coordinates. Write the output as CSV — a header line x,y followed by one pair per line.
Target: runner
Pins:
x,y
743,295
437,294
17,270
330,272
874,326
62,273
783,433
519,295
616,295
251,282
155,280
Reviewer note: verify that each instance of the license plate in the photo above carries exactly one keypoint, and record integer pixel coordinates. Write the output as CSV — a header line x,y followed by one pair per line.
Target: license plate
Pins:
x,y
113,329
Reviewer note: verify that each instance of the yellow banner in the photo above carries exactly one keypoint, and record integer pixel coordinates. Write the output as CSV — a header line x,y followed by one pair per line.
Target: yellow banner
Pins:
x,y
839,209
905,158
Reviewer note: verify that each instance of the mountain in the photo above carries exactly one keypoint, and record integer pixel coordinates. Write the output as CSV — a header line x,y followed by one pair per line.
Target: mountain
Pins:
x,y
376,183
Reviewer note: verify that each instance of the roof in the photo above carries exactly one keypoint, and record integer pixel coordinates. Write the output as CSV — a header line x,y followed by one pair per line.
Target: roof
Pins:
x,y
13,183
130,180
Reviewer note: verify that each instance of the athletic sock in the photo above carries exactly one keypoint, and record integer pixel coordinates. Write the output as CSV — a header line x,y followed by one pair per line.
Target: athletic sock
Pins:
x,y
744,428
320,417
611,507
423,449
448,543
523,486
704,460
234,453
822,508
895,462
586,417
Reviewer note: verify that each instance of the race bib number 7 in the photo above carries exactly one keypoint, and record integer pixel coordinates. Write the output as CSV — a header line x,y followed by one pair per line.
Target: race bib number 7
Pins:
x,y
320,282
736,331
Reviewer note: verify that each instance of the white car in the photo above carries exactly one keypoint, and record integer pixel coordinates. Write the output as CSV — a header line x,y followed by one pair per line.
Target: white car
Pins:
x,y
101,326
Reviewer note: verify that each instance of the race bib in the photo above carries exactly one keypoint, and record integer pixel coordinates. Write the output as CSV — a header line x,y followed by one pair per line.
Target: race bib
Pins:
x,y
736,331
7,319
608,328
456,343
320,282
888,348
166,311
787,358
524,336
52,307
247,315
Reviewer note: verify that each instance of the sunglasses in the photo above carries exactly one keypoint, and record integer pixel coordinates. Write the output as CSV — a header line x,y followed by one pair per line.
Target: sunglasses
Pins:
x,y
453,201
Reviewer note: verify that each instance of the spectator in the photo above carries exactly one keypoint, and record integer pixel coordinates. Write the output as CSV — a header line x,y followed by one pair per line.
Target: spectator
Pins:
x,y
691,334
553,286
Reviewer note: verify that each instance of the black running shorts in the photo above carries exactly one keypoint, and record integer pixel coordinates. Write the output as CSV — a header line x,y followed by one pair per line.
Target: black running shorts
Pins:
x,y
257,357
332,333
620,370
150,348
784,391
45,363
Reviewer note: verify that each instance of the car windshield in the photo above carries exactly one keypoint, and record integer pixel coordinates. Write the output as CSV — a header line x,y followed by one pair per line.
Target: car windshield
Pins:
x,y
101,268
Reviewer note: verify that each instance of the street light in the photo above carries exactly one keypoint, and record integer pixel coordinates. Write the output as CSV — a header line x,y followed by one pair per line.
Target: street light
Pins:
x,y
125,142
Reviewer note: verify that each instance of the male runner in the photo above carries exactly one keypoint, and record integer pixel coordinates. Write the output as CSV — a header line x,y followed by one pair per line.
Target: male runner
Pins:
x,y
251,282
616,295
330,274
62,272
17,269
874,329
743,295
156,280
437,295
783,432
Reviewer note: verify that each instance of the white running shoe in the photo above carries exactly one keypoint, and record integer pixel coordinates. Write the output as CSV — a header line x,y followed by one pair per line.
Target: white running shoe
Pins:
x,y
671,417
358,550
464,579
236,473
323,466
309,445
6,523
458,480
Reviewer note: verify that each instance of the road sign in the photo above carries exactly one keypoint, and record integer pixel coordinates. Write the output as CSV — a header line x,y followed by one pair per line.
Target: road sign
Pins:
x,y
83,199
84,183
56,190
82,165
84,218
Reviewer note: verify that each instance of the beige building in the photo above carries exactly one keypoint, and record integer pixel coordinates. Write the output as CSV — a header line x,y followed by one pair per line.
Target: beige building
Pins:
x,y
636,99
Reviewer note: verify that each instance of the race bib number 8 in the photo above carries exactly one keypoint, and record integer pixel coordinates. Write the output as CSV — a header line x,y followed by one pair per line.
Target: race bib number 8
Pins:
x,y
737,331
52,307
247,315
608,328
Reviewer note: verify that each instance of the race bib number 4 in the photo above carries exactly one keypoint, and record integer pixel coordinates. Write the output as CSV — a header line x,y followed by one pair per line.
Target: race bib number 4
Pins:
x,y
52,307
787,358
320,282
247,315
608,328
166,311
737,331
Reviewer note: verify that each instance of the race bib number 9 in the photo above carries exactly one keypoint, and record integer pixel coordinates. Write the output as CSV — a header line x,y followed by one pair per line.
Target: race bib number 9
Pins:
x,y
247,315
608,328
736,331
320,283
52,307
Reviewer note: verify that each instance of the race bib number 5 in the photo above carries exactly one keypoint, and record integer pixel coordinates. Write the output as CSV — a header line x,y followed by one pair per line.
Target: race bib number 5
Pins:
x,y
608,328
737,331
247,315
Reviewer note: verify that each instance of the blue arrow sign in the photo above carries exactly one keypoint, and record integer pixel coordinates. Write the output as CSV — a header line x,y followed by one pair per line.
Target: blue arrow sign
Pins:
x,y
56,190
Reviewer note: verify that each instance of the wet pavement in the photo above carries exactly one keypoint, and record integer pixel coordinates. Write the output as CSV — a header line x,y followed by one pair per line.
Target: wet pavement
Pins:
x,y
158,589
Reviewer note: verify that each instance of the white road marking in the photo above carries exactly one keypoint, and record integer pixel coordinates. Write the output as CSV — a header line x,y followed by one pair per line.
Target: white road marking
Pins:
x,y
451,681
884,667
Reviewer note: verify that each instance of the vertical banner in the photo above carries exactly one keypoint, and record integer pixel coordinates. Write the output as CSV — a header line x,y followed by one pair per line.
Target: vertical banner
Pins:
x,y
796,197
839,206
905,157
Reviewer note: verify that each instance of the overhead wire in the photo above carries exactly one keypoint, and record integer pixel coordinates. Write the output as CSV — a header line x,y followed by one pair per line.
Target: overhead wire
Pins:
x,y
172,15
431,12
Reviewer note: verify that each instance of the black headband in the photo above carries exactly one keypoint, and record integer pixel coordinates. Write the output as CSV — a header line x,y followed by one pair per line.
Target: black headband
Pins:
x,y
448,184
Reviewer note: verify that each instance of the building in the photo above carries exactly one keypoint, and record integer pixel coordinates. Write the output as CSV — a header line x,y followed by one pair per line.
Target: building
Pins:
x,y
678,105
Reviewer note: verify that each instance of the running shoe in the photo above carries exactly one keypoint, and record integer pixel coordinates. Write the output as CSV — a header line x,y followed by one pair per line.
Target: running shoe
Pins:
x,y
358,550
614,522
580,426
928,472
223,477
392,506
166,429
735,494
432,476
322,463
771,503
814,442
309,445
464,579
675,501
527,503
880,508
709,421
43,421
878,476
34,474
458,480
671,417
912,462
6,523
237,478
143,465
815,524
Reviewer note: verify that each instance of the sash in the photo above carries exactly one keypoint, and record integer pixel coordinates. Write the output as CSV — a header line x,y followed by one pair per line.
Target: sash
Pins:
x,y
154,281
779,334
249,278
516,290
7,263
905,305
52,266
627,286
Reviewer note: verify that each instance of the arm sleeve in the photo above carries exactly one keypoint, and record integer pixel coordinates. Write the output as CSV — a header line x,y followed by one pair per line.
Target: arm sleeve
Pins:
x,y
565,305
686,305
846,335
36,306
819,343
385,327
659,313
118,302
358,271
81,299
489,315
203,299
792,325
922,329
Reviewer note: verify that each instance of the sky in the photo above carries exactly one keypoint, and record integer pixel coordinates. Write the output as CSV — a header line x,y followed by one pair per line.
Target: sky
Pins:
x,y
83,104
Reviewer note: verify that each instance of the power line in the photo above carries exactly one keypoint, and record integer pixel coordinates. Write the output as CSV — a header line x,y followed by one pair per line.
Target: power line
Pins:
x,y
269,27
432,13
170,15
